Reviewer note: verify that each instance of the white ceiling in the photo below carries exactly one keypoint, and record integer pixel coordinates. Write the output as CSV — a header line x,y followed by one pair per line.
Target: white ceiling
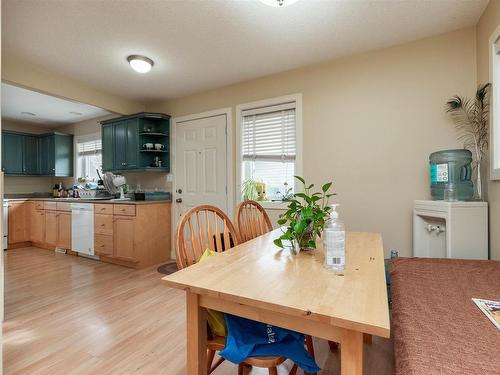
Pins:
x,y
48,110
199,45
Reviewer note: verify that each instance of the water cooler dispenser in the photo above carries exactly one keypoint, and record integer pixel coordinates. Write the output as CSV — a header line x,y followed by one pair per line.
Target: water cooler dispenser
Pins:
x,y
443,229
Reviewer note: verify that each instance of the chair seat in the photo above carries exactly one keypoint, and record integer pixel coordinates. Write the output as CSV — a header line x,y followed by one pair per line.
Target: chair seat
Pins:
x,y
264,362
218,343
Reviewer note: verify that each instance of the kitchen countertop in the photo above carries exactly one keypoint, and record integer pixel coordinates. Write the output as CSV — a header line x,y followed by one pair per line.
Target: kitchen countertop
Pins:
x,y
95,201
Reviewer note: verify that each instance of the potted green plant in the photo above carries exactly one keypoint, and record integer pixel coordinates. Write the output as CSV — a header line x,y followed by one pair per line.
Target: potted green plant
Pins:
x,y
471,118
305,217
249,189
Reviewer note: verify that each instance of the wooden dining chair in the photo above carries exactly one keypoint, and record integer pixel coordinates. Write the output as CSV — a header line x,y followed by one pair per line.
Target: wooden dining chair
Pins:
x,y
209,227
252,220
200,228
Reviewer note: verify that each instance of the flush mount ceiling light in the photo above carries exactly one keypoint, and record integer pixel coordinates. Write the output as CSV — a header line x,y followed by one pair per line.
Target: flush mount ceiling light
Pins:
x,y
278,3
28,113
141,64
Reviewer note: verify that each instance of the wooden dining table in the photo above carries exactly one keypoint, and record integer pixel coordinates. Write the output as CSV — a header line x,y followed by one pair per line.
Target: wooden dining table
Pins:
x,y
259,281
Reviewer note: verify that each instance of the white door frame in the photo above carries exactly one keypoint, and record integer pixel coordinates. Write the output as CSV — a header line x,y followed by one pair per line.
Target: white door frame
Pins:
x,y
229,162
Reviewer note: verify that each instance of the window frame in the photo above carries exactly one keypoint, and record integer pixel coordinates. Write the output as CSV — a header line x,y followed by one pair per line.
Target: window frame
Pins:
x,y
494,65
297,98
81,139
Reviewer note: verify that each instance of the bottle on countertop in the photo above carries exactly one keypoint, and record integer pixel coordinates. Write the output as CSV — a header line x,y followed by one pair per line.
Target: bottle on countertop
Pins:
x,y
55,191
334,242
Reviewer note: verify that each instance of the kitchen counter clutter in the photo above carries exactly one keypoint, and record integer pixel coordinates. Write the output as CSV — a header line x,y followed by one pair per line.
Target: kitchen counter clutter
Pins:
x,y
129,233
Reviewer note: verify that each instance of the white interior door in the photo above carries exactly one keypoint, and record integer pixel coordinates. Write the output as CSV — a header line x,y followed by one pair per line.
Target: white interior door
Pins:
x,y
201,163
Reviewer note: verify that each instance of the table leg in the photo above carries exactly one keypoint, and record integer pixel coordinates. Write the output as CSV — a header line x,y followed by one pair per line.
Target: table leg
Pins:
x,y
351,353
196,336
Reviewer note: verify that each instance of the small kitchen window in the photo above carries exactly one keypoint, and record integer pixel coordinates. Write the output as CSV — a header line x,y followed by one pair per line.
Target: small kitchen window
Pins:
x,y
269,147
88,158
495,105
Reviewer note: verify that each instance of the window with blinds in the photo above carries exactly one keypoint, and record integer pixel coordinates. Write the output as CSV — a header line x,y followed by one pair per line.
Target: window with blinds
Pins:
x,y
88,158
268,147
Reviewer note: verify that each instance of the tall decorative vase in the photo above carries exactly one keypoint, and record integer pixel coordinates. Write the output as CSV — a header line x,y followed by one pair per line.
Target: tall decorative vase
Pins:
x,y
479,182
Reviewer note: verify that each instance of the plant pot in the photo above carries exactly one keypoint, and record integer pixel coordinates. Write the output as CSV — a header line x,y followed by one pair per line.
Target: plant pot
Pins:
x,y
304,243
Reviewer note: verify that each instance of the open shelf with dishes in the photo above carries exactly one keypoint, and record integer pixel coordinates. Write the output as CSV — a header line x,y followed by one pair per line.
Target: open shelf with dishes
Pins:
x,y
137,143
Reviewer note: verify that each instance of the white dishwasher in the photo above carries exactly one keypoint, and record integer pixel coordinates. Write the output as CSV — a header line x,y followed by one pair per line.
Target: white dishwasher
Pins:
x,y
82,228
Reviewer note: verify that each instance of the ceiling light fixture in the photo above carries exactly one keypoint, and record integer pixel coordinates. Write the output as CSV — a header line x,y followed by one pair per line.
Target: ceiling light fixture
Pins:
x,y
278,3
28,113
141,64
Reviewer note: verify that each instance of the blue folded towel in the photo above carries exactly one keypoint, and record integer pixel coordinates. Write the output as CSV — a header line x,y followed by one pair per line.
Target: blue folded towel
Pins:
x,y
248,338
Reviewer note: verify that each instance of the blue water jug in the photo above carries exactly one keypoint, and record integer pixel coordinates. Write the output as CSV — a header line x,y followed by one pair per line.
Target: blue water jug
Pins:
x,y
451,167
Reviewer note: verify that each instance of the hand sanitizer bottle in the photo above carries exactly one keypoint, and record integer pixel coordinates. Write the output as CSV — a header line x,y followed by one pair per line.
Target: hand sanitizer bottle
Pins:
x,y
334,241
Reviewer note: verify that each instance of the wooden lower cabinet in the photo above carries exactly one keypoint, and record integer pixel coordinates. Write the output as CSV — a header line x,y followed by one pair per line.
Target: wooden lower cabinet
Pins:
x,y
51,228
64,230
37,233
140,235
103,224
19,223
103,244
124,238
132,235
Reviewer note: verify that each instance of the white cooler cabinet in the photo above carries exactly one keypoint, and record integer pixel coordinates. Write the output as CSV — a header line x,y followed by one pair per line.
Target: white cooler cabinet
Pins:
x,y
450,229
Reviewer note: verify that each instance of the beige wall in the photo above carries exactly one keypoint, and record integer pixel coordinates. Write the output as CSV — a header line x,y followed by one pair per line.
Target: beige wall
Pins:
x,y
489,21
24,127
84,127
370,123
21,73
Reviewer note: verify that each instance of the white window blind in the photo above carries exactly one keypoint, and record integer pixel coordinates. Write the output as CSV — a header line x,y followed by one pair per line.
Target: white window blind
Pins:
x,y
88,158
268,147
269,133
89,147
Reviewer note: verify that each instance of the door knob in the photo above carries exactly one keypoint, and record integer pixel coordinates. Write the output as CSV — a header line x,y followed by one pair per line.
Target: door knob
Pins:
x,y
179,200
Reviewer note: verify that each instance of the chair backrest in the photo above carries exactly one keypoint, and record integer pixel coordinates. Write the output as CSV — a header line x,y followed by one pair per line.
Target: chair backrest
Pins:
x,y
200,228
252,220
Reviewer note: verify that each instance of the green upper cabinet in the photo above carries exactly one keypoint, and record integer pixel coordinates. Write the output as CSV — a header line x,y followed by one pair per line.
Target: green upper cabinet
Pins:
x,y
31,152
123,141
132,149
108,159
120,150
63,155
12,153
47,156
34,155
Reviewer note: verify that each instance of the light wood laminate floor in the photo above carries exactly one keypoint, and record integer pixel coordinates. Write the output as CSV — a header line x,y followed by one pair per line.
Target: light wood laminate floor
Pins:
x,y
70,315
